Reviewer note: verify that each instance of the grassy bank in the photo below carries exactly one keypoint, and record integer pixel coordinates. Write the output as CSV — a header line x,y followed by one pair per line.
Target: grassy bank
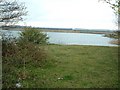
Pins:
x,y
75,67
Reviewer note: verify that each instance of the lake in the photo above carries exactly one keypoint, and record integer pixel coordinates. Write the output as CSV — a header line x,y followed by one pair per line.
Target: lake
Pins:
x,y
75,38
79,39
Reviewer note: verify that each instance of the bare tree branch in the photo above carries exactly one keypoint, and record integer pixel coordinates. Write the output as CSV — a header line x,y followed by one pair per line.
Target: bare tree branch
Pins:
x,y
11,12
114,4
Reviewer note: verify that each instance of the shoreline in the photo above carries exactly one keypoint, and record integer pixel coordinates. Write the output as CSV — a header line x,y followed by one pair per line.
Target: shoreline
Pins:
x,y
83,45
68,31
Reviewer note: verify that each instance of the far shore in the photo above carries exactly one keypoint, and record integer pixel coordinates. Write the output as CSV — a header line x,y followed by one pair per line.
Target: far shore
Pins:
x,y
66,30
116,42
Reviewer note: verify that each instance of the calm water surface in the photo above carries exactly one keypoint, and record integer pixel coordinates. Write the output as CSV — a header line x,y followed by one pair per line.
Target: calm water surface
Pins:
x,y
75,38
79,39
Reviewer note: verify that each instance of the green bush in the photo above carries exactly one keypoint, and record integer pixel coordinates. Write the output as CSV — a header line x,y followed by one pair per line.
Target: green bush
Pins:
x,y
17,53
34,36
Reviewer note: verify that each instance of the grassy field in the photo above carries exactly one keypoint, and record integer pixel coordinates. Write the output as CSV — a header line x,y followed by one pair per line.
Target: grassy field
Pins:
x,y
75,67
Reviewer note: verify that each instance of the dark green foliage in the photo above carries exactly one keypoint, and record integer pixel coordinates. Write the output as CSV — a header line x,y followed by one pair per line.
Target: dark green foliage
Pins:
x,y
34,36
17,54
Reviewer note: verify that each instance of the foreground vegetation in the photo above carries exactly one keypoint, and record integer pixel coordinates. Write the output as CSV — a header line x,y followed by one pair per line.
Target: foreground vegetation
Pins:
x,y
30,62
20,53
73,67
77,67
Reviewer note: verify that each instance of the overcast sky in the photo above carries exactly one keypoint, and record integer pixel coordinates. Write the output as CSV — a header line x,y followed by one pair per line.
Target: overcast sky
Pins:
x,y
89,14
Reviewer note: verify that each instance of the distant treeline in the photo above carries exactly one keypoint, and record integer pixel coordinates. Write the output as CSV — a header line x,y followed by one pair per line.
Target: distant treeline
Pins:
x,y
72,30
17,26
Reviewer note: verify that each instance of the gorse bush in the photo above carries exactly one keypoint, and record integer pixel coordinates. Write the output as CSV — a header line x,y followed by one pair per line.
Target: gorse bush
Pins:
x,y
21,52
34,36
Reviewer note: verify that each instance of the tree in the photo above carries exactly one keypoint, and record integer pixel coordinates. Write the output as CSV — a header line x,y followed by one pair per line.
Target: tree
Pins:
x,y
115,5
11,12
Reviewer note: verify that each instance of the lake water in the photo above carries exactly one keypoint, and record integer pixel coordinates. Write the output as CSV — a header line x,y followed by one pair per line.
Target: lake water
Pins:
x,y
79,39
75,38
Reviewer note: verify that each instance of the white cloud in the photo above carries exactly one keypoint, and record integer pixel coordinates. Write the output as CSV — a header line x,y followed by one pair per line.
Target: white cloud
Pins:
x,y
70,13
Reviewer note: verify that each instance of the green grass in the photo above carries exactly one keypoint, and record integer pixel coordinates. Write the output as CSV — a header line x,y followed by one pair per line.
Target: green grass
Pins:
x,y
76,67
